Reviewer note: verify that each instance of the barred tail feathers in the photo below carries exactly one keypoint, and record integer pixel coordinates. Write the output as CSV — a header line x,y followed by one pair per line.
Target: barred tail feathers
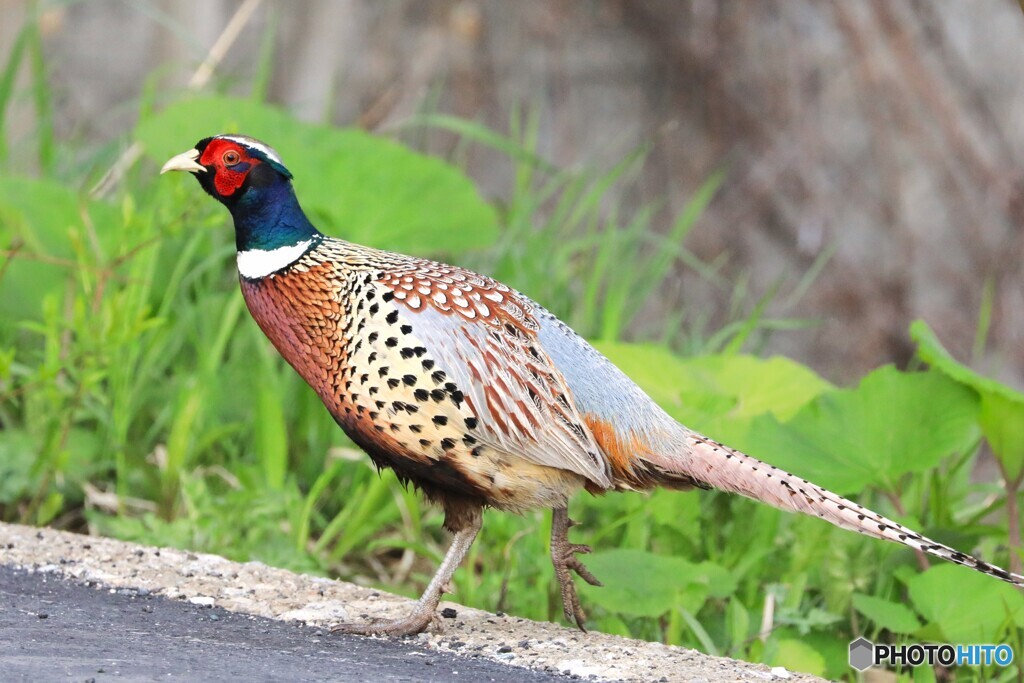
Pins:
x,y
724,468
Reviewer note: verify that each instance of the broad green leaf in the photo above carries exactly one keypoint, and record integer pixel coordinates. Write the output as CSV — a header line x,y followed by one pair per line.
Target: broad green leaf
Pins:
x,y
777,386
796,655
1002,423
892,616
711,391
968,607
1002,408
720,581
640,583
680,512
353,185
934,353
893,423
834,647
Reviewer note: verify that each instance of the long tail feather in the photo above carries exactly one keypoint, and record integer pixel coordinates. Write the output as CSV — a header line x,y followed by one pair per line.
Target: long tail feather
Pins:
x,y
724,468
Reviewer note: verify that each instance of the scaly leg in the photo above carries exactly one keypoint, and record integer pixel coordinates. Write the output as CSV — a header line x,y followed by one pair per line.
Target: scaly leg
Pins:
x,y
563,556
423,613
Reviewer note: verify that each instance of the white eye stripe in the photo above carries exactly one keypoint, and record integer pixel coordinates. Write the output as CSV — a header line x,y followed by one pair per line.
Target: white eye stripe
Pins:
x,y
253,144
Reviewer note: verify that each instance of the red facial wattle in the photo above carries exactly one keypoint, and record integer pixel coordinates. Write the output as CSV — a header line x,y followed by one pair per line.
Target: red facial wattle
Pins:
x,y
231,164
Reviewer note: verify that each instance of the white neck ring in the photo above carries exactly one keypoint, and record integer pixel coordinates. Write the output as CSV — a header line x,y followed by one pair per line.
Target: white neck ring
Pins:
x,y
257,263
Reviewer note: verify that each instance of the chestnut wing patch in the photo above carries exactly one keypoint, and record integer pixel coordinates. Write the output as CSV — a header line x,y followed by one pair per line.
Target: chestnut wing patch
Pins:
x,y
454,291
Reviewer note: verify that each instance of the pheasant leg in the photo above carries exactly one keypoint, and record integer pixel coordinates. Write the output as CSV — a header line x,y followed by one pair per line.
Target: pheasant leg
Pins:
x,y
563,557
423,614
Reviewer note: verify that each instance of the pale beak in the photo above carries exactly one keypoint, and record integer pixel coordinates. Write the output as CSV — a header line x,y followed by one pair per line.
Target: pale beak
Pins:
x,y
186,161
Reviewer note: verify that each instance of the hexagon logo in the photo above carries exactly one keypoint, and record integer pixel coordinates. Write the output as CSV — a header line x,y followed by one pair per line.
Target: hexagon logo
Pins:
x,y
862,654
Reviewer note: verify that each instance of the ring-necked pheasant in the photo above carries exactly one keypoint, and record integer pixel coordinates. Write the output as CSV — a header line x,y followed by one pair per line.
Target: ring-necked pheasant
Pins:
x,y
470,390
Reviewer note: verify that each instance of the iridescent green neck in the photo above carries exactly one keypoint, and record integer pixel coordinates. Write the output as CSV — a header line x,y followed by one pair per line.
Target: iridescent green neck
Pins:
x,y
269,217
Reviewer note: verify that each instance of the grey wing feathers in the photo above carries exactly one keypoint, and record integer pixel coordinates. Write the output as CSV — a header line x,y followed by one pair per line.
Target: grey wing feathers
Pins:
x,y
515,394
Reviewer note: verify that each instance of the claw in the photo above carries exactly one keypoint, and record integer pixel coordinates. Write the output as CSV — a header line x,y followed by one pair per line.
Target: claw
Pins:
x,y
581,570
563,557
416,622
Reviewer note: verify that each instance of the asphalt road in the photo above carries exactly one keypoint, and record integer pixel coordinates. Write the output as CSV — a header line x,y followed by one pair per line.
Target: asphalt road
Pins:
x,y
53,629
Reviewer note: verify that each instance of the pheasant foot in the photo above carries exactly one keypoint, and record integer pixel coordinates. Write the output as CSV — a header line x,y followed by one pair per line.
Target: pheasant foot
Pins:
x,y
424,614
418,621
563,557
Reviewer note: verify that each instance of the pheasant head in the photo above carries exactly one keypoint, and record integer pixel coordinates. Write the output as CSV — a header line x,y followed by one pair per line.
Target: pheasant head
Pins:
x,y
248,178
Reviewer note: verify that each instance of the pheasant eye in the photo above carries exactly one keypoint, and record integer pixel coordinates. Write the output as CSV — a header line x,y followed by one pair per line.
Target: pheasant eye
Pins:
x,y
231,157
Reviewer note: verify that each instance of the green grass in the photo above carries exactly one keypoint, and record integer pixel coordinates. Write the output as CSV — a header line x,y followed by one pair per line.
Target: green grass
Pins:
x,y
138,399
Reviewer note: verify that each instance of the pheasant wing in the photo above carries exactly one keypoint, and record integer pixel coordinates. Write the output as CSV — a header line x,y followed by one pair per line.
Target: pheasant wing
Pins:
x,y
484,337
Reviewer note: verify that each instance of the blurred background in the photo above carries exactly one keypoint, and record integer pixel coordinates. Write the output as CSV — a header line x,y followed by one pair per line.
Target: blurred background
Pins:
x,y
877,141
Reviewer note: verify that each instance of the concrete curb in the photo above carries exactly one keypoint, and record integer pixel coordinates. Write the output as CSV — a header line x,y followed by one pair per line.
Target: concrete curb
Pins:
x,y
256,589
